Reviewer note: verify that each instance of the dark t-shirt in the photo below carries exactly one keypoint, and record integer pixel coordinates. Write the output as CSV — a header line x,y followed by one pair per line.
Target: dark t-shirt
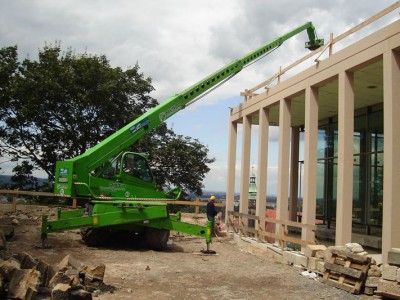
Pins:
x,y
211,212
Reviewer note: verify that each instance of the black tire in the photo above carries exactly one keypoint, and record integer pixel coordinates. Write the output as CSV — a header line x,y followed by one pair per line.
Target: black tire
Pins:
x,y
157,239
95,236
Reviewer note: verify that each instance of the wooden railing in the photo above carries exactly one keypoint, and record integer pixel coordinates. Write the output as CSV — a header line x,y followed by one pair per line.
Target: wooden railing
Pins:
x,y
236,221
15,193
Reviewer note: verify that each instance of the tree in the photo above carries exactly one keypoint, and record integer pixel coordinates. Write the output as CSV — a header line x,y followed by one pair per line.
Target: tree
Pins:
x,y
22,178
62,104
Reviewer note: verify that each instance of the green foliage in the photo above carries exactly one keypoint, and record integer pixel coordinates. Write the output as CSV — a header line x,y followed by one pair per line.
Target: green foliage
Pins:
x,y
22,178
62,104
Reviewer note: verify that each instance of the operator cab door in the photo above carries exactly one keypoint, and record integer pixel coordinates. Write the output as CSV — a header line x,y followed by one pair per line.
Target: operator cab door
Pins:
x,y
131,168
136,166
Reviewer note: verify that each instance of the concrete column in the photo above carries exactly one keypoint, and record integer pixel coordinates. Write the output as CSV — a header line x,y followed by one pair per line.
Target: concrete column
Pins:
x,y
391,175
310,162
230,179
283,162
245,168
344,207
294,174
263,134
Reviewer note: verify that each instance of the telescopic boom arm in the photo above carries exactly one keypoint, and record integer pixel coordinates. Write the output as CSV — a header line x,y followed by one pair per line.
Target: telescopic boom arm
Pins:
x,y
125,137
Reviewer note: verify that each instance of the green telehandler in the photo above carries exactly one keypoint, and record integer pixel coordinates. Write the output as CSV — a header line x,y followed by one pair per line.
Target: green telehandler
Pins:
x,y
118,186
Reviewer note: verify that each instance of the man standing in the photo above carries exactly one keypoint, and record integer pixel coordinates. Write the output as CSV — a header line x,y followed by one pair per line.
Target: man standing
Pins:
x,y
211,212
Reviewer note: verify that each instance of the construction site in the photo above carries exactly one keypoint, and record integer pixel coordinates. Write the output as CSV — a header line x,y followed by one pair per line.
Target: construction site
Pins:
x,y
117,237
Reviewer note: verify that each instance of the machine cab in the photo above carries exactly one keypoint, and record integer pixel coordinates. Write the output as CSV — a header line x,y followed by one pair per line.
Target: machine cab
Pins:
x,y
129,166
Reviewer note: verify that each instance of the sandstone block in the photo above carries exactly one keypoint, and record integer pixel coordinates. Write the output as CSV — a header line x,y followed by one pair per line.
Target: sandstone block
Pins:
x,y
26,260
8,268
394,257
59,277
94,273
61,291
389,287
46,272
374,271
311,250
24,284
372,281
389,272
67,262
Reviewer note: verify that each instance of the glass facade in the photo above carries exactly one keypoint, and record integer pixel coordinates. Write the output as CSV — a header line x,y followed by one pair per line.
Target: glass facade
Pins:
x,y
368,169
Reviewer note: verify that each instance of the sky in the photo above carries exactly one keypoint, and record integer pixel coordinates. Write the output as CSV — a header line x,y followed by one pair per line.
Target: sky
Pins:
x,y
177,43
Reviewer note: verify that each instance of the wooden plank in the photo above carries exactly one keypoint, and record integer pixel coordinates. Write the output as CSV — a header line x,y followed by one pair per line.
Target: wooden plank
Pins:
x,y
345,287
344,270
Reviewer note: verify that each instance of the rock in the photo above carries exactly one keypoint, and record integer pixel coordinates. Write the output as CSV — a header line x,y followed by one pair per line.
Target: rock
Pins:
x,y
354,248
59,277
26,260
46,272
394,256
311,250
61,291
374,271
389,272
24,284
3,243
8,268
67,262
389,287
94,273
15,222
81,295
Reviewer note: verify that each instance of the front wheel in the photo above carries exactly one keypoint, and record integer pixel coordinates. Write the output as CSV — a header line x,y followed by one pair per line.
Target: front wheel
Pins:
x,y
157,239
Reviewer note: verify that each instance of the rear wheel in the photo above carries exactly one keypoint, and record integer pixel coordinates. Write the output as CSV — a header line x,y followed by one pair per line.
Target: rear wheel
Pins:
x,y
157,239
95,236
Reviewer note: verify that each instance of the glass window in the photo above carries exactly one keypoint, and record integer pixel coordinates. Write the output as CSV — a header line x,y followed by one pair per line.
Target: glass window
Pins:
x,y
136,166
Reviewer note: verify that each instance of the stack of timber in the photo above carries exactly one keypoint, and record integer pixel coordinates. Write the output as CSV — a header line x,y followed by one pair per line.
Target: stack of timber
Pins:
x,y
346,271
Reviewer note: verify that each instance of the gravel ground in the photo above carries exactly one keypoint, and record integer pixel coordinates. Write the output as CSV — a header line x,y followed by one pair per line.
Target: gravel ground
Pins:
x,y
181,272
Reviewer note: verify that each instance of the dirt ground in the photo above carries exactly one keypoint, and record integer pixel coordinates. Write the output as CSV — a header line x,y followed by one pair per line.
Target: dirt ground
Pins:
x,y
180,272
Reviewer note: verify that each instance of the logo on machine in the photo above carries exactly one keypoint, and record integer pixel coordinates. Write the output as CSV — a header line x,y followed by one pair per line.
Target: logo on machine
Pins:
x,y
64,171
62,179
139,125
169,112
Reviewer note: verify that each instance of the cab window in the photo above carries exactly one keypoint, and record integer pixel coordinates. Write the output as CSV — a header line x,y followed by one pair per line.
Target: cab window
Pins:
x,y
136,165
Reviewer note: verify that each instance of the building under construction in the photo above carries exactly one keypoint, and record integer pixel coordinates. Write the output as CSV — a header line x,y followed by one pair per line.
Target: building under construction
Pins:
x,y
345,112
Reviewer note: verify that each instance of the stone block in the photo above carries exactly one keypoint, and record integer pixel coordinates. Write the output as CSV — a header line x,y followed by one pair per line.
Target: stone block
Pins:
x,y
94,273
300,260
46,272
61,291
394,257
8,268
81,295
59,277
24,284
312,263
26,260
372,281
389,272
288,257
68,262
398,275
354,248
374,271
321,266
3,243
389,287
311,250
